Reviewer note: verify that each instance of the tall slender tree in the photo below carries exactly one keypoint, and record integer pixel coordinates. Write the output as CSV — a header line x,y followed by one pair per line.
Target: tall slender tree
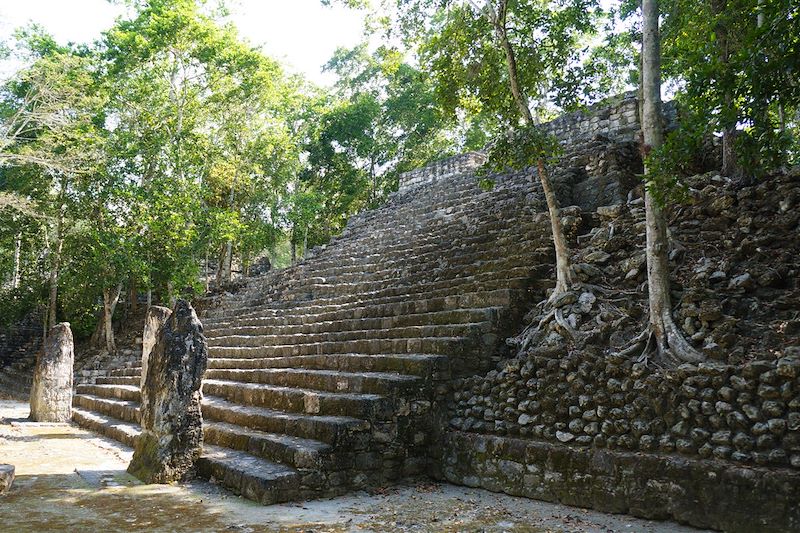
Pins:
x,y
473,49
663,335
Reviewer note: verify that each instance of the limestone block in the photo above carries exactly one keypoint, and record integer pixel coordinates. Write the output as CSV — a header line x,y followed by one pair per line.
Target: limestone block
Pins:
x,y
6,477
51,392
153,320
172,432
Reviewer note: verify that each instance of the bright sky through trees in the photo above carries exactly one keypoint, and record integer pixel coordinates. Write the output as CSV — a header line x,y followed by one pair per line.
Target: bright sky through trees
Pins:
x,y
302,34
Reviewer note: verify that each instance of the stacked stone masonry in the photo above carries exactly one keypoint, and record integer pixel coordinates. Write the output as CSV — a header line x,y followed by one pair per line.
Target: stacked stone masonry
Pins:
x,y
748,414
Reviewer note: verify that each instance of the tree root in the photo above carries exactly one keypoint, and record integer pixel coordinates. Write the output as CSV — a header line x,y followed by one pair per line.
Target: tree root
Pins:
x,y
564,325
546,314
672,349
531,334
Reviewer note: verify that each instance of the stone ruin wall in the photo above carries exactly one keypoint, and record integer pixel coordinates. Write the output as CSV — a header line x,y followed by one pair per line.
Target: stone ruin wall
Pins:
x,y
440,170
748,415
711,445
616,118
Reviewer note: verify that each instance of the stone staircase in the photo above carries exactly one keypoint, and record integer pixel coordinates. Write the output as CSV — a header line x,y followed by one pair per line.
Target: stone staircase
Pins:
x,y
332,375
16,370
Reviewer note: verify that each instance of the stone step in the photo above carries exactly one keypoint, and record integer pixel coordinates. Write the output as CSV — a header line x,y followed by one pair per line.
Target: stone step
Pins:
x,y
119,380
366,406
377,317
452,346
491,296
335,334
426,365
254,478
131,371
125,410
387,384
427,250
258,308
440,268
402,281
340,431
449,242
461,201
113,428
119,392
456,242
299,453
424,310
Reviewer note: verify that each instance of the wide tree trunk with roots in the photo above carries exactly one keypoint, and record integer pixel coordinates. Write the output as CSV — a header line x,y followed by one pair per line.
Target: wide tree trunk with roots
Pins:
x,y
663,334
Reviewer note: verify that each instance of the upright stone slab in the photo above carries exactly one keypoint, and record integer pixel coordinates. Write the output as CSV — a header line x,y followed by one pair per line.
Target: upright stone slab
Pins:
x,y
6,477
51,392
172,425
153,320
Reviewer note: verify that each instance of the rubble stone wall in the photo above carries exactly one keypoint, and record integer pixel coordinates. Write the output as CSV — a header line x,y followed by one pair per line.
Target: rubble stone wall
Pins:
x,y
748,414
602,431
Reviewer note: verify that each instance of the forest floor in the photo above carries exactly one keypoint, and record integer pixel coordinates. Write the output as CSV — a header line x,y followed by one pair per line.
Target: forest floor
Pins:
x,y
71,480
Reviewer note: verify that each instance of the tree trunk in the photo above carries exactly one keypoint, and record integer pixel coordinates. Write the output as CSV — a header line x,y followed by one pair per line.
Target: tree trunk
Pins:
x,y
110,299
498,20
563,267
170,294
293,246
220,266
227,262
781,118
729,165
563,271
149,297
55,266
15,278
205,271
729,159
133,296
245,263
663,328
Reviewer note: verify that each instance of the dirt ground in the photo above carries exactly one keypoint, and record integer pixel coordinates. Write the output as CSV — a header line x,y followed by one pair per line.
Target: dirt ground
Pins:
x,y
72,480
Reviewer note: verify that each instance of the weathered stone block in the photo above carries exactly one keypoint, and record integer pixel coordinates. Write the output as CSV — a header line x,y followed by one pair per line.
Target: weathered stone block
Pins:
x,y
6,477
51,392
172,433
153,321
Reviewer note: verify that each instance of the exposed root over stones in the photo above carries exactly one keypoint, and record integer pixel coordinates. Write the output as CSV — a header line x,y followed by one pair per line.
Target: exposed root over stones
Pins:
x,y
582,313
669,349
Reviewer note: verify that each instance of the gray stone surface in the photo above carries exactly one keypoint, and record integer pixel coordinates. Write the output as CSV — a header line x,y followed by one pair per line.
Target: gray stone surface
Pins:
x,y
748,414
172,432
702,493
155,318
6,477
51,393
